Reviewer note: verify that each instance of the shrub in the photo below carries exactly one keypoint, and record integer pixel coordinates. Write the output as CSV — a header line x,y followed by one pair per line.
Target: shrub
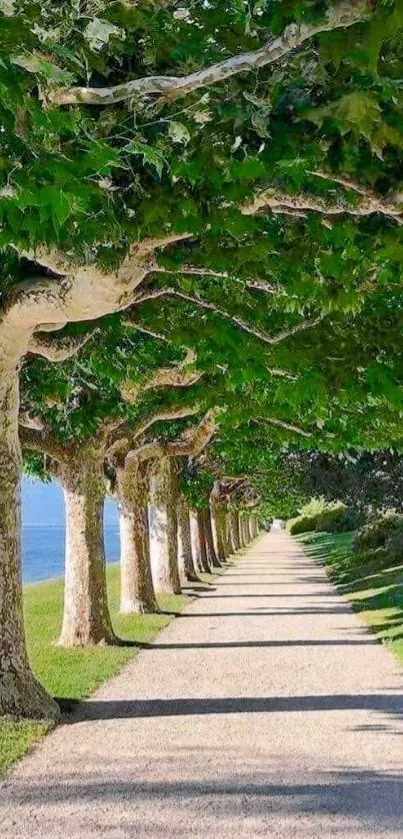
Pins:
x,y
314,507
302,524
322,517
336,518
382,536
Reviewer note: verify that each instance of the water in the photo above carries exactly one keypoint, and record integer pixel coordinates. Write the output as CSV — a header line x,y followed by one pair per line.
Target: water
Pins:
x,y
43,550
43,531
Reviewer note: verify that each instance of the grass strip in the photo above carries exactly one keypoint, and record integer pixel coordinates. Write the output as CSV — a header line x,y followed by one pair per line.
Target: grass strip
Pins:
x,y
71,675
374,590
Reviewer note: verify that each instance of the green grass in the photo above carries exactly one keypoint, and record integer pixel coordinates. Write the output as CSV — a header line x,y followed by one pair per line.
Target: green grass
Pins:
x,y
73,674
373,590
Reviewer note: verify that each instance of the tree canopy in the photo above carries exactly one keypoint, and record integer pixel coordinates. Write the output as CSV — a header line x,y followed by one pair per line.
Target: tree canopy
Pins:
x,y
201,218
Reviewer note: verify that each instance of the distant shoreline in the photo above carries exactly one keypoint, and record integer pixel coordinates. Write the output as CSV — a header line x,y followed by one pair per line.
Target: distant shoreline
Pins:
x,y
43,550
56,579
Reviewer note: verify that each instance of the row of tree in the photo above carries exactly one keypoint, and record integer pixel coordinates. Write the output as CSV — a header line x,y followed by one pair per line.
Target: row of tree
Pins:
x,y
201,234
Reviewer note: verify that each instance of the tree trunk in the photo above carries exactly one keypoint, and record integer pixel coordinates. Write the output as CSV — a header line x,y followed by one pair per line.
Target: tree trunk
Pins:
x,y
212,558
230,547
185,544
164,527
234,525
246,530
242,531
137,593
20,694
86,618
214,527
196,543
220,527
230,535
205,565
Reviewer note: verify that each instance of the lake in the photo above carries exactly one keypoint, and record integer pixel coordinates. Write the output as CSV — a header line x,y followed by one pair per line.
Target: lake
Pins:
x,y
43,531
43,550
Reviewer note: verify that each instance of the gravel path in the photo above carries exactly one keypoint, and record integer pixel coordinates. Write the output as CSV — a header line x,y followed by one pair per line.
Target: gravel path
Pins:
x,y
265,710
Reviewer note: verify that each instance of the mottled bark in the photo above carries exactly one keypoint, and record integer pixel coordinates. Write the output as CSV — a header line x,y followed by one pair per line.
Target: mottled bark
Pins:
x,y
244,539
164,526
195,540
204,562
221,528
212,558
137,593
186,563
230,535
234,527
86,618
214,528
20,693
341,14
230,546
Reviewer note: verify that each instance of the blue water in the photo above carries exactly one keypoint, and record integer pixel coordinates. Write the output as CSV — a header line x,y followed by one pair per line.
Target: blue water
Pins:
x,y
43,531
43,550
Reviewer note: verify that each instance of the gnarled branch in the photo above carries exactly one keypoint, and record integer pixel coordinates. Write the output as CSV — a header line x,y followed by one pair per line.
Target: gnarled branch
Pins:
x,y
154,294
59,349
191,444
340,14
40,439
366,204
286,425
130,321
191,270
126,435
176,377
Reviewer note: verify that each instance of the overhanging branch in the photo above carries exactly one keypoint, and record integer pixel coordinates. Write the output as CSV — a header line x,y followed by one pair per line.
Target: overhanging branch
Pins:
x,y
154,294
286,425
366,204
191,270
125,435
40,439
179,376
191,444
59,349
340,14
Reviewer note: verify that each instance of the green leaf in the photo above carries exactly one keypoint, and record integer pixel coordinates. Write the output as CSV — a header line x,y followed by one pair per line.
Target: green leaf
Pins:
x,y
38,65
178,132
149,154
98,32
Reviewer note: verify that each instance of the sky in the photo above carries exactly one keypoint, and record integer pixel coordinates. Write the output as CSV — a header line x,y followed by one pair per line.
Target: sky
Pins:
x,y
42,504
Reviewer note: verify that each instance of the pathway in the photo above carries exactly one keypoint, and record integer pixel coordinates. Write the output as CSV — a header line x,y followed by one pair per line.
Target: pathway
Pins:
x,y
265,710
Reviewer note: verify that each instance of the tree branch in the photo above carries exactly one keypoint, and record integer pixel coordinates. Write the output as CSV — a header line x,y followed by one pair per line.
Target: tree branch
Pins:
x,y
259,285
298,205
191,444
340,14
154,294
176,377
59,349
127,435
131,322
287,425
41,440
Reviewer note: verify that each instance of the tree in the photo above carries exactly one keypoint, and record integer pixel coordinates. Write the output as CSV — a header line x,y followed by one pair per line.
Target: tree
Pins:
x,y
366,481
99,409
195,174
